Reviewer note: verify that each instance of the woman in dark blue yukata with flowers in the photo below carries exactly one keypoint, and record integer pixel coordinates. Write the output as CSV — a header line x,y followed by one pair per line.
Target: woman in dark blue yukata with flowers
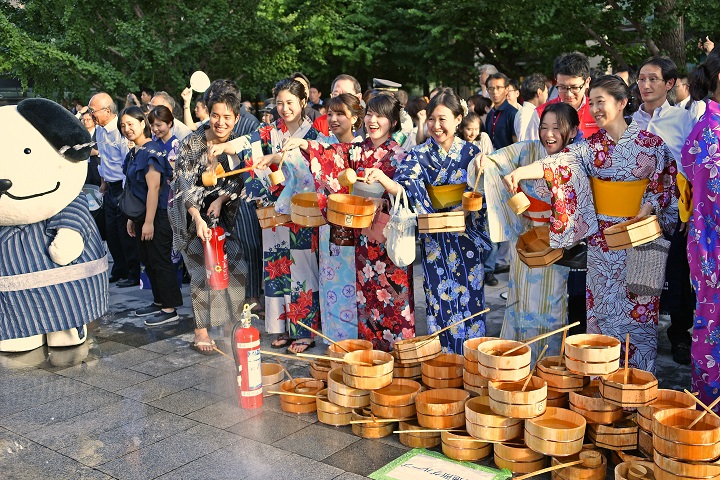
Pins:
x,y
434,176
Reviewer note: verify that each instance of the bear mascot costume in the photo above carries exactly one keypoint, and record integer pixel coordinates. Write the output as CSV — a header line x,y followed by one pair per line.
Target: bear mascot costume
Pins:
x,y
53,264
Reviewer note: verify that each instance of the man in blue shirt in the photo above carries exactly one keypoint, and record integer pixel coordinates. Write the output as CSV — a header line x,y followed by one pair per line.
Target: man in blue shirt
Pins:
x,y
112,148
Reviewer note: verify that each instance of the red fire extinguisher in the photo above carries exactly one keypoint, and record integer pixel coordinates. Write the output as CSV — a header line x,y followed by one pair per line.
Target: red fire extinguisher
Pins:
x,y
247,358
216,264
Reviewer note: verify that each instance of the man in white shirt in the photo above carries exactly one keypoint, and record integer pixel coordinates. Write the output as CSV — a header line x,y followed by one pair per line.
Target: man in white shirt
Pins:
x,y
113,149
656,77
696,108
534,91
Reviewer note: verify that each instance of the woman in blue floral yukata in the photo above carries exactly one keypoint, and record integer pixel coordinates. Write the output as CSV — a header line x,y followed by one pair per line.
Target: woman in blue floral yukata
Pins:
x,y
452,262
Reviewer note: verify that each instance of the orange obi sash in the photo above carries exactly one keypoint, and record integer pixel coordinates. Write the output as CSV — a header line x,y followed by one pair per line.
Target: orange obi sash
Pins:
x,y
537,207
618,199
444,196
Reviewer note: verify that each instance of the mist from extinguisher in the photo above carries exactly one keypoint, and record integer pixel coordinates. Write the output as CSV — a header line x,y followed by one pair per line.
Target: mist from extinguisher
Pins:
x,y
216,263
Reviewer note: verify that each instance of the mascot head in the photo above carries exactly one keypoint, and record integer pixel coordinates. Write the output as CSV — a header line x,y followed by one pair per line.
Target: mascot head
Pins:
x,y
42,167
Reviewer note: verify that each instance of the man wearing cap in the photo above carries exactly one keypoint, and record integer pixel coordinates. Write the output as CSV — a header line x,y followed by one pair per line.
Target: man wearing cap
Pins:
x,y
380,85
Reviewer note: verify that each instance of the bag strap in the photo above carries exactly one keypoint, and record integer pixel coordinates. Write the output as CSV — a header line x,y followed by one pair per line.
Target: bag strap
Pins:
x,y
395,202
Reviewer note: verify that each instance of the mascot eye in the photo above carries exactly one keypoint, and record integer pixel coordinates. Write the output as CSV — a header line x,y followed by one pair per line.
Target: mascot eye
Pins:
x,y
27,151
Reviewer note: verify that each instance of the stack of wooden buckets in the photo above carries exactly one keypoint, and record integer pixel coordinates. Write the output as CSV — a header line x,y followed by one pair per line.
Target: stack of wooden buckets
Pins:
x,y
557,416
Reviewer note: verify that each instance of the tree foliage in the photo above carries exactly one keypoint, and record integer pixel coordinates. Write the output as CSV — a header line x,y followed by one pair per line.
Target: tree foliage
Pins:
x,y
71,48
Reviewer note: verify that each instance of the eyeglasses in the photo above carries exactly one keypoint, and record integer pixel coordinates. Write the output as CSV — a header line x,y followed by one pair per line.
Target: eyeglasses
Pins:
x,y
93,111
651,80
495,89
572,88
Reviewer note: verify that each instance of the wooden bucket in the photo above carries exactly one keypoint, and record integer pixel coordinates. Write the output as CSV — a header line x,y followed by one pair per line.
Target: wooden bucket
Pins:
x,y
441,408
445,222
319,370
329,413
476,380
471,367
410,370
272,376
417,349
470,348
447,365
557,399
557,432
519,203
672,438
519,458
475,391
622,435
341,394
632,233
297,404
417,439
350,211
463,447
645,473
558,377
472,202
400,392
367,369
371,429
396,411
667,468
533,248
270,218
645,442
507,399
482,423
509,368
304,210
430,382
349,345
665,399
589,403
594,468
456,420
639,391
592,354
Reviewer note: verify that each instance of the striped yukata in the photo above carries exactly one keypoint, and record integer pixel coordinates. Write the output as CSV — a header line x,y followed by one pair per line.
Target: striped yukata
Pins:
x,y
24,249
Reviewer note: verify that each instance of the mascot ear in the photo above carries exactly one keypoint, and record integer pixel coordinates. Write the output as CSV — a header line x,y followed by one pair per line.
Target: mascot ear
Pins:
x,y
59,127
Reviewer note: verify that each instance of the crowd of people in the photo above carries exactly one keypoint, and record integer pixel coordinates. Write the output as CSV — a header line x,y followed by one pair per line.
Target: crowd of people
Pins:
x,y
590,150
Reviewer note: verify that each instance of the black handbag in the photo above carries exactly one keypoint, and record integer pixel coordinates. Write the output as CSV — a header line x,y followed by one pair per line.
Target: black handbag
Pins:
x,y
575,256
129,203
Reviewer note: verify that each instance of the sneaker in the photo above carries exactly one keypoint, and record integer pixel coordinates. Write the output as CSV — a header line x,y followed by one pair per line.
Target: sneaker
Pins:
x,y
161,318
681,354
490,280
149,310
502,268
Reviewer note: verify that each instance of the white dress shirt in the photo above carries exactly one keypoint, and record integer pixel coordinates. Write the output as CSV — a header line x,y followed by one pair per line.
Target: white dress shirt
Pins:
x,y
671,124
522,119
113,149
696,109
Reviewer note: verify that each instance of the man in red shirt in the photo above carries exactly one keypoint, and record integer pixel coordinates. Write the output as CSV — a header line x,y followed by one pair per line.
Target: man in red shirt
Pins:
x,y
343,83
572,74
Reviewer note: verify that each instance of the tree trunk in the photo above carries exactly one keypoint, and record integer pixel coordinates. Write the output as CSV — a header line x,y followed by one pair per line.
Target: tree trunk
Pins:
x,y
671,40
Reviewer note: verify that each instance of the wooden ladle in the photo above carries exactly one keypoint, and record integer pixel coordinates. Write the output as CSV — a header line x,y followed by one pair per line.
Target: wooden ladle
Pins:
x,y
210,178
348,177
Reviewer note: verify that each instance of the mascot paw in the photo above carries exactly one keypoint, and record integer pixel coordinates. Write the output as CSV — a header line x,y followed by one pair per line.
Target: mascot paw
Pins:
x,y
67,246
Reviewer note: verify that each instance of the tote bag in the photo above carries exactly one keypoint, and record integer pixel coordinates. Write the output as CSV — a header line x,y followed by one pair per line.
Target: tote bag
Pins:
x,y
400,231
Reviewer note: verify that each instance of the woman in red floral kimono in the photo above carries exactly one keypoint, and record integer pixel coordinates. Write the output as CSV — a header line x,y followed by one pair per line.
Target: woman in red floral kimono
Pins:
x,y
385,303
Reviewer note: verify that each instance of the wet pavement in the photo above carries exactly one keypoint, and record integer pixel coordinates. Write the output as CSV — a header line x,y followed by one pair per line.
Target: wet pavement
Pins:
x,y
136,403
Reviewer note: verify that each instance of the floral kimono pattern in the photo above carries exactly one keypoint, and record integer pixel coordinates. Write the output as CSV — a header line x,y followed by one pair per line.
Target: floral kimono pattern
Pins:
x,y
384,301
611,309
290,251
537,300
452,262
701,161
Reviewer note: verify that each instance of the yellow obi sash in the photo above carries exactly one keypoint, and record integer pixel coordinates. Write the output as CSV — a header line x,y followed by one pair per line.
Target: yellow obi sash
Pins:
x,y
445,196
618,199
685,204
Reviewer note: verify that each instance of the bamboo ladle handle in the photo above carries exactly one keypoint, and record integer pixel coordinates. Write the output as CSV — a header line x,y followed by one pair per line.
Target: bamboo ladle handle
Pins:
x,y
291,357
562,349
527,380
550,469
627,358
305,395
234,172
540,337
323,336
708,409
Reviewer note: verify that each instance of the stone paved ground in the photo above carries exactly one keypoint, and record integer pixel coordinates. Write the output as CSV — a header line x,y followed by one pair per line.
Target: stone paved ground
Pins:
x,y
137,403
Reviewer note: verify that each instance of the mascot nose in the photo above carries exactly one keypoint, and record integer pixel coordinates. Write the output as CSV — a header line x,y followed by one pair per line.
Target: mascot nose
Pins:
x,y
5,185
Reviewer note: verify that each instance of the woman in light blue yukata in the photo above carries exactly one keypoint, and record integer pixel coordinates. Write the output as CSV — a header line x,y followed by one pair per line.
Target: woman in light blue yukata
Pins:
x,y
434,175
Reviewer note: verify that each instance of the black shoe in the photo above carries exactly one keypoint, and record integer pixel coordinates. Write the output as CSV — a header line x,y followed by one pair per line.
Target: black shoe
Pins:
x,y
681,353
114,278
161,318
490,280
151,309
502,268
128,283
